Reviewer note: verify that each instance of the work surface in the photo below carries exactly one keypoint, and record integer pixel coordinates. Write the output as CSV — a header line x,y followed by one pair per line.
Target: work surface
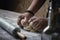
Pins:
x,y
12,17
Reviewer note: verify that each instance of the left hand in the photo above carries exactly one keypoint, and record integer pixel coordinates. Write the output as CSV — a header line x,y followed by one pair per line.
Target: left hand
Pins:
x,y
38,23
23,19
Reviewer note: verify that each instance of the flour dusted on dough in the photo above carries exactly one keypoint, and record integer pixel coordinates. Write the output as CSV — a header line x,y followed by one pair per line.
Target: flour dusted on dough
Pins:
x,y
29,28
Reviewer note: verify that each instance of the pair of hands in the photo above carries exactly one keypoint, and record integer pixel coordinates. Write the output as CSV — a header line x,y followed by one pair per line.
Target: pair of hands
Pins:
x,y
35,22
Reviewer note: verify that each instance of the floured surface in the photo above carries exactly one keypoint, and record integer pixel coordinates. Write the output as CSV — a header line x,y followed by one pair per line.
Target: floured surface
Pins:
x,y
11,17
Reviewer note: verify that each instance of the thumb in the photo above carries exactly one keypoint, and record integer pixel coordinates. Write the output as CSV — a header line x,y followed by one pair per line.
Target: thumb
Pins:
x,y
24,22
20,17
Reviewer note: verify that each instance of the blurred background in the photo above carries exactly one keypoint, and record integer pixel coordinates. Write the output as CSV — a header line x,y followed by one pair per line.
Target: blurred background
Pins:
x,y
22,5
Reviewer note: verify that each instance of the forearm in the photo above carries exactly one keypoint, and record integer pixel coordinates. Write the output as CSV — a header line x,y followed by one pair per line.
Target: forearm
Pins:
x,y
36,5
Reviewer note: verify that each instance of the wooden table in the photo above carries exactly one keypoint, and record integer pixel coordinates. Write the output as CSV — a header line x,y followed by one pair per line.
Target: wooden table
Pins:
x,y
12,17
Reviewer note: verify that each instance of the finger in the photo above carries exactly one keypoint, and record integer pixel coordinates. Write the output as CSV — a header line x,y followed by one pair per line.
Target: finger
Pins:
x,y
21,16
34,23
32,19
40,28
36,26
19,23
42,25
19,20
24,22
39,24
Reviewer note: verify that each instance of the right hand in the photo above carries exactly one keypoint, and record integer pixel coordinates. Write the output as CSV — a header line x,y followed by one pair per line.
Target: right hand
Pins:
x,y
23,19
37,23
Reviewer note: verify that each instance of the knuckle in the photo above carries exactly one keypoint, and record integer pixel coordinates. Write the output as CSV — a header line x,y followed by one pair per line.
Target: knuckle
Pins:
x,y
21,16
31,24
23,22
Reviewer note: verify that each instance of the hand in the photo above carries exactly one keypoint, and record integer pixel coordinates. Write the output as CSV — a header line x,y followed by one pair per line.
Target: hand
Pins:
x,y
38,23
23,19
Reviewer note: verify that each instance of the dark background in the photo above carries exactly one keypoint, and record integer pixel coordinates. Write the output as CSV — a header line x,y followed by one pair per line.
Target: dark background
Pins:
x,y
8,4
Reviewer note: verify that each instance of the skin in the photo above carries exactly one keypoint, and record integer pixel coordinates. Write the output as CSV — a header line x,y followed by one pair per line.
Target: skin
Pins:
x,y
38,23
26,17
36,5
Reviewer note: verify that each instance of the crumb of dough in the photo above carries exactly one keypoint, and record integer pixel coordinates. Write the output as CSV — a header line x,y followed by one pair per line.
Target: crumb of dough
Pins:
x,y
29,28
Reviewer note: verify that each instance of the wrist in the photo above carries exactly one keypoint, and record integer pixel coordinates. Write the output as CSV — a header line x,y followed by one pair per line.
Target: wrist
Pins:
x,y
30,12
